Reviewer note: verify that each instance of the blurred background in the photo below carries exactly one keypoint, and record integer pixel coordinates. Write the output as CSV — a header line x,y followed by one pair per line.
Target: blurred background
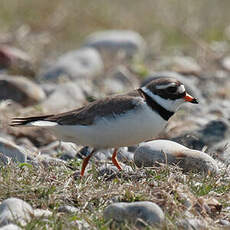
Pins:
x,y
58,55
48,28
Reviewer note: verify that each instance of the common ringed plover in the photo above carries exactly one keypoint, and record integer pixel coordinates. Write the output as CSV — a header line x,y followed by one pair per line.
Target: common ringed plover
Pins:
x,y
116,121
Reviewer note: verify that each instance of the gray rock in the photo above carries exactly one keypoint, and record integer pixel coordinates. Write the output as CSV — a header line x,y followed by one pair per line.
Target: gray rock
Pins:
x,y
108,171
133,148
139,213
66,92
15,60
4,160
190,140
222,151
10,227
181,64
106,154
47,161
119,80
21,90
82,225
11,150
61,148
41,213
191,224
48,87
123,155
84,151
6,136
219,107
68,209
103,154
15,210
224,222
111,171
28,147
226,63
114,41
164,151
213,132
82,63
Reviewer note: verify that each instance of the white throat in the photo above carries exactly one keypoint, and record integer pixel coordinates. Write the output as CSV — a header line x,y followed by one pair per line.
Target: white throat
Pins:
x,y
168,104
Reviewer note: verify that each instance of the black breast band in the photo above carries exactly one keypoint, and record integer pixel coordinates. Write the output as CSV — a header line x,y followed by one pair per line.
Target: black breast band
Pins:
x,y
164,113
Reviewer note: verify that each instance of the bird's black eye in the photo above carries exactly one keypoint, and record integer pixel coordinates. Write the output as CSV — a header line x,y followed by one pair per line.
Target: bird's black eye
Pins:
x,y
172,89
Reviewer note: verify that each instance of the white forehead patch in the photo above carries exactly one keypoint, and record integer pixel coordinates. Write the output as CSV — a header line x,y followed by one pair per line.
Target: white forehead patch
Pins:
x,y
181,89
165,86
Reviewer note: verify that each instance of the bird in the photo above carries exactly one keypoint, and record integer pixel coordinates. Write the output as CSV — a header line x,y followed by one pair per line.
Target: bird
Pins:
x,y
117,120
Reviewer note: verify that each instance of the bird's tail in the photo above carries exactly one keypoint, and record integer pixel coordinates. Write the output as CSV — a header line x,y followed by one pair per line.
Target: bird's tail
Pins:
x,y
29,121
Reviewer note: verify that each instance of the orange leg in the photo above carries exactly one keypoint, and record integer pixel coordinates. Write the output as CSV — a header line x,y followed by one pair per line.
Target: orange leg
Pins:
x,y
114,159
85,162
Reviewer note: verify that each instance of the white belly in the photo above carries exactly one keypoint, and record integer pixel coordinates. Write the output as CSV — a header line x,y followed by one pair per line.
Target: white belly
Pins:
x,y
125,130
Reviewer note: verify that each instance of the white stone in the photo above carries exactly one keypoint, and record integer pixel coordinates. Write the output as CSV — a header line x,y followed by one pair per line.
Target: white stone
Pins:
x,y
226,63
66,96
83,63
21,90
164,151
11,150
10,227
135,213
113,41
68,209
41,213
15,210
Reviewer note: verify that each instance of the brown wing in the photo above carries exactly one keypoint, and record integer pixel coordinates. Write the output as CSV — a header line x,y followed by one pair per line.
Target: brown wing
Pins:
x,y
87,114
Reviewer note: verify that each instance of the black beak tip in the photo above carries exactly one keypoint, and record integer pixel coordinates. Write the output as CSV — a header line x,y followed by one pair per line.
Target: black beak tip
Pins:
x,y
194,101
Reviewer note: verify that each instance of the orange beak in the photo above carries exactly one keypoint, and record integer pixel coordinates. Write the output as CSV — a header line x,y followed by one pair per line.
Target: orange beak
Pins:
x,y
190,99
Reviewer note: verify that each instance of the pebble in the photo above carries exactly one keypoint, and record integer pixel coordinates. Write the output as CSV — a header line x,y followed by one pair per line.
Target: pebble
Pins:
x,y
83,63
82,225
38,137
28,147
11,150
182,64
10,227
123,154
136,213
47,161
41,213
114,41
164,151
191,224
15,60
67,92
4,160
14,209
68,209
219,107
64,149
214,132
111,171
224,222
21,90
119,80
226,63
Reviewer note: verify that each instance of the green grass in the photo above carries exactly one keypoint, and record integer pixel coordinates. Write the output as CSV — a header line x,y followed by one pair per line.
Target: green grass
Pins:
x,y
53,186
